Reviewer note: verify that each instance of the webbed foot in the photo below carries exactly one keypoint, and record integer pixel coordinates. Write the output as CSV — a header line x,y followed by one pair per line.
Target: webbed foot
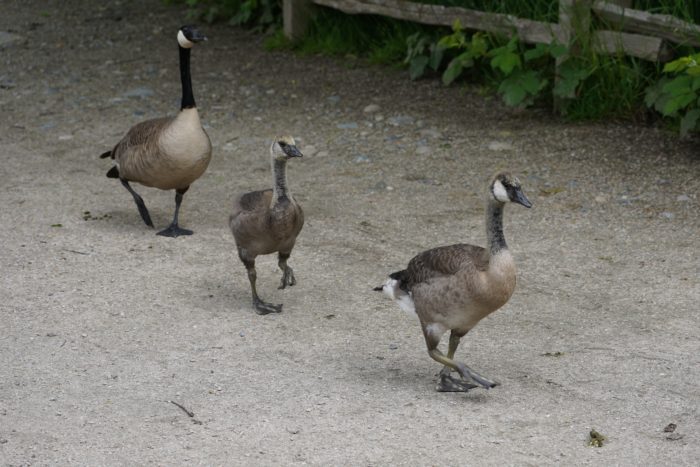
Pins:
x,y
446,383
469,374
174,231
264,308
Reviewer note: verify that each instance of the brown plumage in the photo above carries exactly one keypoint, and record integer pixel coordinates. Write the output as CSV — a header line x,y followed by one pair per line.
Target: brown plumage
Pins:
x,y
268,221
454,287
167,153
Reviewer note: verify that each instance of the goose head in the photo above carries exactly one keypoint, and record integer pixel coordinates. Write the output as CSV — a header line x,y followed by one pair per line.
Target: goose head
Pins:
x,y
189,35
505,188
284,148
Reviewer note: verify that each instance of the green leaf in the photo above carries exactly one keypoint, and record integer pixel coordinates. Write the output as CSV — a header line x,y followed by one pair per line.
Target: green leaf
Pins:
x,y
689,122
454,69
478,45
693,70
436,55
678,85
513,93
557,50
675,103
417,67
506,61
652,94
677,65
540,50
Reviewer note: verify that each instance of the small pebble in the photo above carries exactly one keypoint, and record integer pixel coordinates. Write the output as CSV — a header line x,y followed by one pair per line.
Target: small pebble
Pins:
x,y
65,137
666,215
361,158
371,109
500,146
347,126
393,346
138,92
423,150
682,198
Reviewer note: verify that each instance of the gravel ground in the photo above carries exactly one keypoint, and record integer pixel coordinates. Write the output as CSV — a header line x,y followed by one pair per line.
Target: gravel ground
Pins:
x,y
104,322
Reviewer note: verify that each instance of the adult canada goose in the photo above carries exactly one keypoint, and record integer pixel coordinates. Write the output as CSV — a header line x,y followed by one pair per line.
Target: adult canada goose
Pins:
x,y
268,221
454,287
167,153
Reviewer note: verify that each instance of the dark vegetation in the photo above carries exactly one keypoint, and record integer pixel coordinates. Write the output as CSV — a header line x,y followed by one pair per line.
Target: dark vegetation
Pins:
x,y
602,86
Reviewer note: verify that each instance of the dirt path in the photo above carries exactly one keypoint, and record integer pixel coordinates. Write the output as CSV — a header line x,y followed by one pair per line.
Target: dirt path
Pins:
x,y
103,322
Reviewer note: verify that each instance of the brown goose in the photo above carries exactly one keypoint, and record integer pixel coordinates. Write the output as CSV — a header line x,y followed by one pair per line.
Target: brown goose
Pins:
x,y
454,287
167,153
268,221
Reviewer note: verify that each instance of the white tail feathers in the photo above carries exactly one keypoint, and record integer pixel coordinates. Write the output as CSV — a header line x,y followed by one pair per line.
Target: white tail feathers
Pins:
x,y
403,299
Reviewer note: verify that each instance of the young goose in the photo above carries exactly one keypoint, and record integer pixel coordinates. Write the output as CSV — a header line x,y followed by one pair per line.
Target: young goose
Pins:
x,y
268,221
167,153
454,287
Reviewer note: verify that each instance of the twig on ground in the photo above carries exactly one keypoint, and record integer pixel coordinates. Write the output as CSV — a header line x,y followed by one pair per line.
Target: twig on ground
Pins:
x,y
184,409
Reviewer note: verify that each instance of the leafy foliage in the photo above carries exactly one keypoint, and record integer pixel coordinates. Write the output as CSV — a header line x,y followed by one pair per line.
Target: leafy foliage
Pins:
x,y
678,96
260,15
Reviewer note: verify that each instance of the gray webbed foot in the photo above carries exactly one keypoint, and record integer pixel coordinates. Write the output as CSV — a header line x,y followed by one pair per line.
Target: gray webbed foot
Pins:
x,y
288,278
264,308
469,374
174,231
446,383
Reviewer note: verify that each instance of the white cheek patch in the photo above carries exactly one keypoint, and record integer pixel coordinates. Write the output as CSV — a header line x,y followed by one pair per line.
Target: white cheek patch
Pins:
x,y
499,192
393,291
183,41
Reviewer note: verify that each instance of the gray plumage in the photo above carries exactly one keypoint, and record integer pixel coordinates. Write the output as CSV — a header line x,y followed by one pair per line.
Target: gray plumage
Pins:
x,y
454,287
268,221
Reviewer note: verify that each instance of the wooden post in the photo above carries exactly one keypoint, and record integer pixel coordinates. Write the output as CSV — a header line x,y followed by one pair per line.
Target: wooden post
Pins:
x,y
296,15
575,25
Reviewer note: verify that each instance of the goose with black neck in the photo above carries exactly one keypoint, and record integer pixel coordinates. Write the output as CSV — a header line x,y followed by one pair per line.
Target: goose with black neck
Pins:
x,y
452,288
168,153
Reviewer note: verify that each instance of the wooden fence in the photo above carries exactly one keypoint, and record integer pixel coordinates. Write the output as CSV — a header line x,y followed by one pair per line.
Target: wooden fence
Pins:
x,y
640,34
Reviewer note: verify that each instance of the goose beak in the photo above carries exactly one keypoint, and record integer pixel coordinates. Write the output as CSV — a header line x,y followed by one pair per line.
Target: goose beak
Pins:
x,y
198,36
293,151
520,198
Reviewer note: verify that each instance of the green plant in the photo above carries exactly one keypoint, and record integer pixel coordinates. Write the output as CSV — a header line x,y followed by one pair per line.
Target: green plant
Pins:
x,y
469,50
260,15
678,96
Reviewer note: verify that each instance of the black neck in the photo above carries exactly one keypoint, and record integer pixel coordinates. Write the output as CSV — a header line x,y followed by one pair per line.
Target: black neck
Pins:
x,y
186,79
279,170
494,227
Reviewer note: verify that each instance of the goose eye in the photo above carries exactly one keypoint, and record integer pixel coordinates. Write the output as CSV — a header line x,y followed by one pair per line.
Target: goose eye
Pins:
x,y
282,144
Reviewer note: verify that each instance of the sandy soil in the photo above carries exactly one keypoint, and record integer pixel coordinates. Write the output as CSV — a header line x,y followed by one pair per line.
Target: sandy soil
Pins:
x,y
104,322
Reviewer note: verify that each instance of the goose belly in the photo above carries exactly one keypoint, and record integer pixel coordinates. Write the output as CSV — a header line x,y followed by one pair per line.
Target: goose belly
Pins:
x,y
182,159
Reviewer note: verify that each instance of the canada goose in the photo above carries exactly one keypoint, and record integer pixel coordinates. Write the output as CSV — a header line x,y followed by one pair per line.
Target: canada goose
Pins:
x,y
268,221
167,153
454,287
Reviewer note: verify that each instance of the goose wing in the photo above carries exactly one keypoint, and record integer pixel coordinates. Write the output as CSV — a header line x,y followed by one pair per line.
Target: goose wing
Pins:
x,y
440,262
141,138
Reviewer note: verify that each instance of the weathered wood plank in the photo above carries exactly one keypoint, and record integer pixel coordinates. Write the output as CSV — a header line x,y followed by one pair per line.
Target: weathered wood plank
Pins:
x,y
527,30
295,16
665,26
648,48
645,47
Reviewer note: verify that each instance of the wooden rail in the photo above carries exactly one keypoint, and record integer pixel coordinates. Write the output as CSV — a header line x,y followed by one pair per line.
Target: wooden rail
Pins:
x,y
650,45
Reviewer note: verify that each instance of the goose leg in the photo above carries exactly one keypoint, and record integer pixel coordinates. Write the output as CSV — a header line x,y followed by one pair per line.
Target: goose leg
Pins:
x,y
261,308
288,278
469,376
173,229
447,383
139,203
